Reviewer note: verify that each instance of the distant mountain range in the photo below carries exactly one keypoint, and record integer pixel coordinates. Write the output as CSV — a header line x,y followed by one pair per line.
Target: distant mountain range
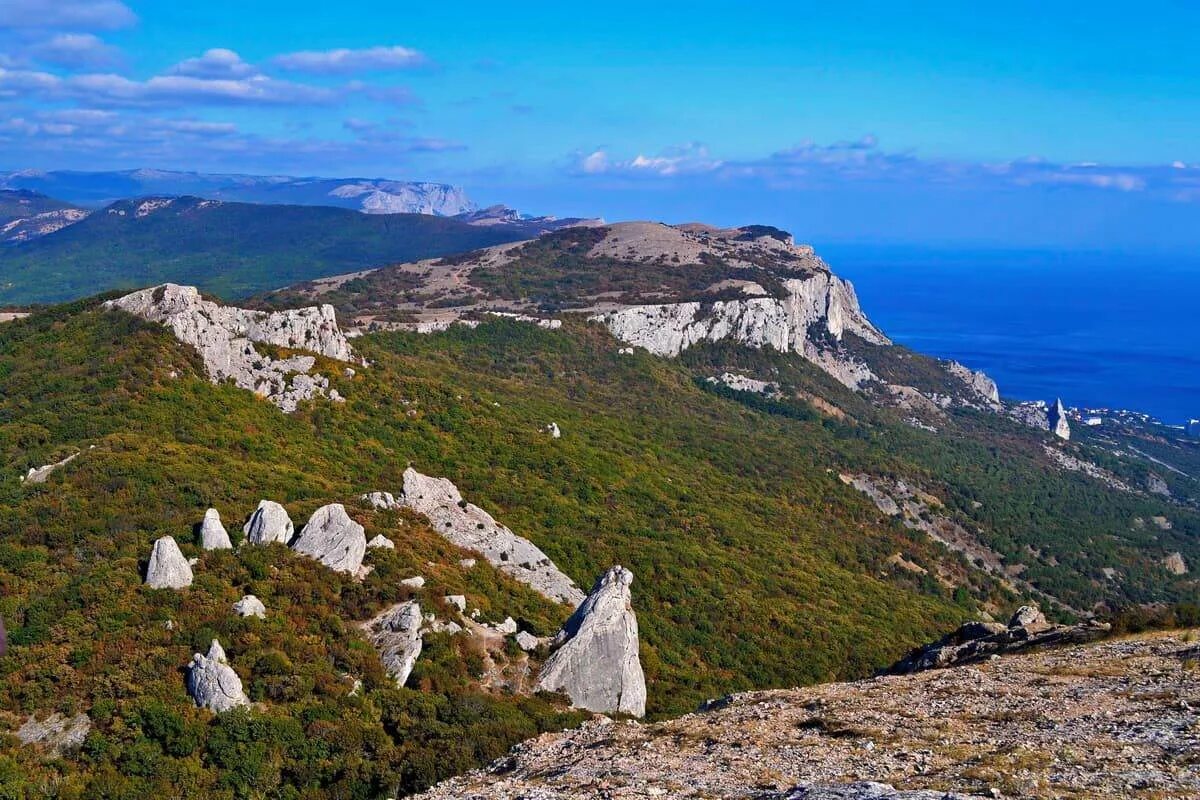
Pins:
x,y
228,249
370,195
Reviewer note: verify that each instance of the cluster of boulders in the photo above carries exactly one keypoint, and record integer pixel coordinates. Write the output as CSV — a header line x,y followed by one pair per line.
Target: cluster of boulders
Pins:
x,y
978,641
330,537
594,659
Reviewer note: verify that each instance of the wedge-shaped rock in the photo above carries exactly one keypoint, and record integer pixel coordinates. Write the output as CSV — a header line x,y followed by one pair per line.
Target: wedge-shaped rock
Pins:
x,y
213,535
212,683
597,662
225,338
396,634
334,539
269,523
168,569
470,527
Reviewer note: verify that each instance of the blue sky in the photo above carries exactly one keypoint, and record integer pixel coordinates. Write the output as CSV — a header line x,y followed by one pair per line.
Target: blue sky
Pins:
x,y
1027,124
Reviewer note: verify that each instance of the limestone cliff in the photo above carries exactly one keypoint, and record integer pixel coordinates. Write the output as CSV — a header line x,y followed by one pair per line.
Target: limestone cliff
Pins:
x,y
225,337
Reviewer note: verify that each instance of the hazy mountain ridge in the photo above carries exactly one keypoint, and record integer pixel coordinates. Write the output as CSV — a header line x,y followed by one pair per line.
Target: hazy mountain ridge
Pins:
x,y
370,195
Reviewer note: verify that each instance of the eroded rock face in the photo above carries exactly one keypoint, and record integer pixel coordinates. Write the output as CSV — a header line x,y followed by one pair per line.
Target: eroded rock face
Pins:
x,y
470,527
269,523
396,634
596,662
978,641
225,338
1175,564
817,311
977,382
334,539
212,683
213,535
56,735
168,569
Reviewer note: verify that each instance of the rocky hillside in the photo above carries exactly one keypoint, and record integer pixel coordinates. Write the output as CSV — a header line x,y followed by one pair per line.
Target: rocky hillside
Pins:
x,y
370,540
26,215
1113,720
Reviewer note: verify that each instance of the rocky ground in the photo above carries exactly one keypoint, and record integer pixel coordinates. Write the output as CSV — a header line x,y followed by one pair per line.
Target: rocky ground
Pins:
x,y
1118,719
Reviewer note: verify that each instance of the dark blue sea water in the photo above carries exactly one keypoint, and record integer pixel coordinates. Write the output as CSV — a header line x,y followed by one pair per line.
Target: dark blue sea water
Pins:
x,y
1098,330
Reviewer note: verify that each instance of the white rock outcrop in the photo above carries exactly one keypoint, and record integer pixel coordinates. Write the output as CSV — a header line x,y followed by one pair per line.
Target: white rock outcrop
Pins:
x,y
744,383
250,606
40,474
212,683
596,662
977,382
817,311
1057,417
415,582
56,735
269,523
381,542
225,337
380,501
396,634
213,535
470,527
168,569
334,539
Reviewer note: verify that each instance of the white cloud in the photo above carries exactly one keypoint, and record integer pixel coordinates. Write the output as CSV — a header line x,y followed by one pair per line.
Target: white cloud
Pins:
x,y
66,14
813,166
342,60
76,50
217,63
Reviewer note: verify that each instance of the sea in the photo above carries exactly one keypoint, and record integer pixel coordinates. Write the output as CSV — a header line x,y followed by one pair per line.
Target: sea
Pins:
x,y
1099,330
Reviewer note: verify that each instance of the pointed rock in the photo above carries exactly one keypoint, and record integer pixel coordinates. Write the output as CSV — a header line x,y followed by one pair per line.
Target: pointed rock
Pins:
x,y
250,606
213,535
596,662
470,527
269,523
396,634
212,683
168,569
334,539
1057,417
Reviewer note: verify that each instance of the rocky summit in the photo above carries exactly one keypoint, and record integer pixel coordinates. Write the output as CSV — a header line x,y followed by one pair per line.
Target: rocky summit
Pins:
x,y
596,662
1108,721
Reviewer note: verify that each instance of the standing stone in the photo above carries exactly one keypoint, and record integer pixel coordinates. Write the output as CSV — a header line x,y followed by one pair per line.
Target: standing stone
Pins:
x,y
396,634
269,523
250,606
212,683
1057,417
334,539
213,535
168,569
596,662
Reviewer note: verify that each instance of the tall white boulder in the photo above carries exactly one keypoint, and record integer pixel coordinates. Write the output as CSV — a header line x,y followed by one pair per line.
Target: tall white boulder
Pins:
x,y
1058,420
269,523
212,683
213,535
168,569
334,539
596,663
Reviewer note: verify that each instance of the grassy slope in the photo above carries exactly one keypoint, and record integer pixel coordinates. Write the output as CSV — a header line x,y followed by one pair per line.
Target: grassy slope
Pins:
x,y
230,249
